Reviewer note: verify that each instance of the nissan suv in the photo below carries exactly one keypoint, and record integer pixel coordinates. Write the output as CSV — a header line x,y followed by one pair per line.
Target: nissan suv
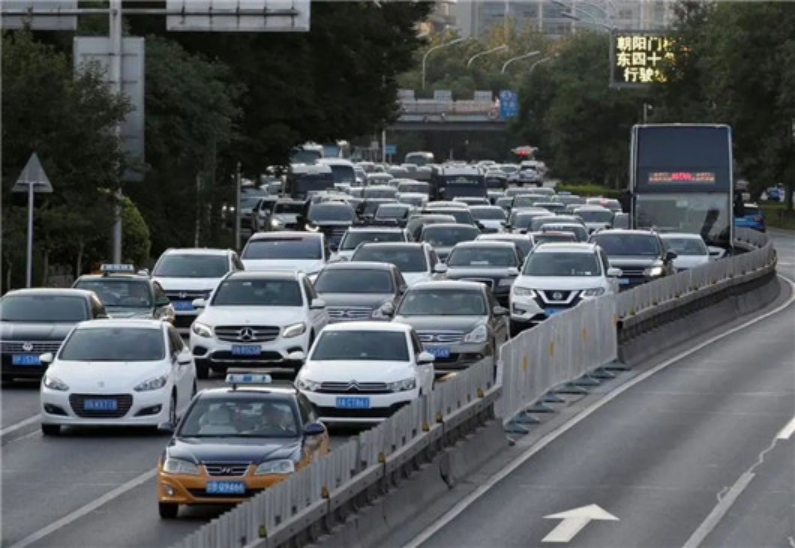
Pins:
x,y
640,254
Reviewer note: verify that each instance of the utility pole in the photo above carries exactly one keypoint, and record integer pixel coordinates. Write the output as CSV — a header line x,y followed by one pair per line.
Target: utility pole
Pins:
x,y
237,207
115,35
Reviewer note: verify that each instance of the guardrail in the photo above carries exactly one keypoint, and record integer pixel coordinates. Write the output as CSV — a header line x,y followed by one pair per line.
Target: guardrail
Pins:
x,y
566,353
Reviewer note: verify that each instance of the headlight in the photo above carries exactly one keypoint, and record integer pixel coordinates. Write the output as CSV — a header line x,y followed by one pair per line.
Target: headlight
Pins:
x,y
594,292
276,223
477,335
523,292
284,466
201,329
653,271
179,466
152,384
402,386
294,330
506,282
305,384
54,384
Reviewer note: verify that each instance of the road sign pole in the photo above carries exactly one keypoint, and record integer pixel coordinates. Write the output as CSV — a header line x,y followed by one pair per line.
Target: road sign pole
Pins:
x,y
29,272
115,35
238,190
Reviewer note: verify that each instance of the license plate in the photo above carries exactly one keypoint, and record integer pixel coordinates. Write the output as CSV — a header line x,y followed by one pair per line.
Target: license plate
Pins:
x,y
353,403
438,351
100,405
226,488
551,311
623,281
25,359
182,306
243,350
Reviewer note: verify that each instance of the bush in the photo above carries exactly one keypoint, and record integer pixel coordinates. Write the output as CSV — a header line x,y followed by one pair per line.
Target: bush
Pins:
x,y
589,190
136,242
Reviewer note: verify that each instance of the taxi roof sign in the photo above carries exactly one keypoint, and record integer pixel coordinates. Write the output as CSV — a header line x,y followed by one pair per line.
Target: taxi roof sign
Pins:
x,y
247,378
107,268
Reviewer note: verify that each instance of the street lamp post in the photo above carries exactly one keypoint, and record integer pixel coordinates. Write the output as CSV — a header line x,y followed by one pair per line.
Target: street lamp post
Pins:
x,y
525,56
488,51
430,50
534,65
569,15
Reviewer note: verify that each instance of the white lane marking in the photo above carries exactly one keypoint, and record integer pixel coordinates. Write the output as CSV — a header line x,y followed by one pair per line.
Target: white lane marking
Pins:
x,y
484,488
574,521
787,431
83,510
714,517
20,424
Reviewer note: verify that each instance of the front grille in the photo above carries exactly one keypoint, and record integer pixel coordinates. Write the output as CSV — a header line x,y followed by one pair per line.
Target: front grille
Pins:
x,y
349,313
202,493
372,413
36,347
187,295
627,272
487,281
229,469
555,296
183,321
441,337
247,333
263,358
123,404
353,388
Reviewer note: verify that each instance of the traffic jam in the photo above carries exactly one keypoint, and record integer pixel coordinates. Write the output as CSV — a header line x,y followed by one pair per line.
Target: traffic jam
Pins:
x,y
359,286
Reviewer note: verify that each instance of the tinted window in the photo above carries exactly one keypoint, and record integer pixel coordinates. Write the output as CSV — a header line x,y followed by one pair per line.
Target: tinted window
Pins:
x,y
361,345
627,244
288,207
481,256
392,211
561,264
343,174
462,216
354,281
119,292
258,293
191,266
488,213
414,187
43,308
443,302
686,246
286,248
331,212
114,344
406,259
380,192
448,236
353,239
595,215
241,417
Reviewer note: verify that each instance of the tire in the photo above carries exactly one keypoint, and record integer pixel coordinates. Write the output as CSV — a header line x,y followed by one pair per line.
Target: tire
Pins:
x,y
50,429
167,510
202,369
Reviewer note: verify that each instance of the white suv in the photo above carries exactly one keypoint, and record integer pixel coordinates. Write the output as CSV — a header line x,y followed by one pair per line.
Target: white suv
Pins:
x,y
356,236
189,274
556,277
286,251
257,319
362,372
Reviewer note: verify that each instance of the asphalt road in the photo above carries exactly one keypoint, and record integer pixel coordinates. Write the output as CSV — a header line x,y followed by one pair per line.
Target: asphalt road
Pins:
x,y
698,454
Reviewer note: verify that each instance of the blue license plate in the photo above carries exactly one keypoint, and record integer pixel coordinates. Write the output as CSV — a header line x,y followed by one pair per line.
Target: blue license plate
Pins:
x,y
182,306
623,281
100,405
226,488
243,350
438,351
353,403
551,311
25,359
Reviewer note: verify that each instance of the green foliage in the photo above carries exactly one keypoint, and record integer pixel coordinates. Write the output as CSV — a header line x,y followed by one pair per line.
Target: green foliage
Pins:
x,y
135,235
588,190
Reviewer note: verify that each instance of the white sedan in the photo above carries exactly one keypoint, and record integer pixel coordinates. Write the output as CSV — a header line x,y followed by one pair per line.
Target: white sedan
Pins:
x,y
117,372
362,372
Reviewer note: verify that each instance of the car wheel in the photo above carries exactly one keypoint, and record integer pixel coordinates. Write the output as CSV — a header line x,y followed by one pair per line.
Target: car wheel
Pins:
x,y
202,369
168,510
50,429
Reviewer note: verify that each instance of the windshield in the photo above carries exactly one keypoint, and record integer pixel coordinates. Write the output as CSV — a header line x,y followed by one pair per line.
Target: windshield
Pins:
x,y
627,244
685,246
343,174
418,159
294,208
524,244
114,344
706,214
300,156
243,292
443,302
561,264
354,280
392,212
351,240
621,221
580,232
528,200
462,215
249,203
361,345
422,188
488,213
191,266
241,418
553,238
482,257
43,308
595,215
380,192
520,219
305,249
448,236
405,259
537,222
119,292
331,212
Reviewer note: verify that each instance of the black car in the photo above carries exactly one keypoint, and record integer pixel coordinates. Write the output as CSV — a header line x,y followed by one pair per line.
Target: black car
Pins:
x,y
367,208
332,219
415,224
360,290
443,237
395,214
640,254
495,264
36,321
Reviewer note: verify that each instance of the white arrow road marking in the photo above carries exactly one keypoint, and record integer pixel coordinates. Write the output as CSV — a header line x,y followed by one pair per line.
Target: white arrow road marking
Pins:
x,y
574,521
787,431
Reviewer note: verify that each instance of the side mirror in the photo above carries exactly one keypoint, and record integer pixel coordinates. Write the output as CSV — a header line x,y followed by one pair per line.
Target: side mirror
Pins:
x,y
440,268
144,272
388,309
425,358
614,272
314,429
513,271
162,301
500,311
403,288
184,359
670,255
317,304
296,356
199,303
167,427
47,358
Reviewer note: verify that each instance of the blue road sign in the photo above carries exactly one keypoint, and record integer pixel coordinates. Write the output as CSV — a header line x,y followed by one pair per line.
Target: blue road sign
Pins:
x,y
391,150
509,104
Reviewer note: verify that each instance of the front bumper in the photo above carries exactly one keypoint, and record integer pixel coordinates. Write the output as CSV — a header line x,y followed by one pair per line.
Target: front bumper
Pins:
x,y
382,406
145,408
461,356
527,310
192,488
218,353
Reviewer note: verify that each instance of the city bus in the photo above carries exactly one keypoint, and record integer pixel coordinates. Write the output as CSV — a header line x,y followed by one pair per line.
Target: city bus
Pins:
x,y
458,182
681,180
304,180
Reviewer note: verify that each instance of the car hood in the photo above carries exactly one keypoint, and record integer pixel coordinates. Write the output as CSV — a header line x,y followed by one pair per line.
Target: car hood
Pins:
x,y
565,283
10,331
105,377
188,284
354,370
310,266
690,261
442,323
372,300
412,278
227,449
252,315
630,261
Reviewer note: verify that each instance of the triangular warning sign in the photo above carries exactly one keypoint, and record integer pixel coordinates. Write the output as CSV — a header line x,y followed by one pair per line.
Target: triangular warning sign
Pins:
x,y
33,174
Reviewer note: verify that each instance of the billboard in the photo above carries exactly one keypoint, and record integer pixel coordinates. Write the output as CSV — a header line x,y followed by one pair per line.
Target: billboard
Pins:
x,y
637,57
